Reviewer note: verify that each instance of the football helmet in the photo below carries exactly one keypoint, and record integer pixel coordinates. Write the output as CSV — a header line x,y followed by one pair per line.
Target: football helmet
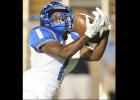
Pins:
x,y
65,17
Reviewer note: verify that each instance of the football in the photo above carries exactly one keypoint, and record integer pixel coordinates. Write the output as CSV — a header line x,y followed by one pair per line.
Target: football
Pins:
x,y
80,26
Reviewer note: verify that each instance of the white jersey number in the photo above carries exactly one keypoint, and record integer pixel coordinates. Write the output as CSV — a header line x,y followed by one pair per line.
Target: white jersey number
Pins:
x,y
39,33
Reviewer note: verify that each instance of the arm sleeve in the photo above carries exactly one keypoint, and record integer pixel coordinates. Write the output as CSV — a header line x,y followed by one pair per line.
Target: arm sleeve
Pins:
x,y
39,37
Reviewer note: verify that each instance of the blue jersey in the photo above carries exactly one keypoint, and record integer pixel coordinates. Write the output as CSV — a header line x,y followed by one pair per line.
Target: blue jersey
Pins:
x,y
47,72
40,36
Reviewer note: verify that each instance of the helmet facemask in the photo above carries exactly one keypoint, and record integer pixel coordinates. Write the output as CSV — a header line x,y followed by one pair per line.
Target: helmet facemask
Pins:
x,y
60,21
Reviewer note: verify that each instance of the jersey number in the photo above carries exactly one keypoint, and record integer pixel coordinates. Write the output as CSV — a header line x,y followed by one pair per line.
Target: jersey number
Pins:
x,y
39,33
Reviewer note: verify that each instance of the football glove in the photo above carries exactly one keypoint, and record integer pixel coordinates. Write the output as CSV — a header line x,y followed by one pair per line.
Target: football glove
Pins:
x,y
105,23
93,28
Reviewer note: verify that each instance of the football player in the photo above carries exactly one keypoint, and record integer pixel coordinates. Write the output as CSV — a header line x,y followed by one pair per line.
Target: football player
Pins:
x,y
55,49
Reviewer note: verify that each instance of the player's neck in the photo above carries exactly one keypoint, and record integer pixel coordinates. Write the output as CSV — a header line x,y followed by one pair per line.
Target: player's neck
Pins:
x,y
65,35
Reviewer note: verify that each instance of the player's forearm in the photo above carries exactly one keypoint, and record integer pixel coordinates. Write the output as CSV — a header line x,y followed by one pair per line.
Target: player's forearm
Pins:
x,y
70,49
100,48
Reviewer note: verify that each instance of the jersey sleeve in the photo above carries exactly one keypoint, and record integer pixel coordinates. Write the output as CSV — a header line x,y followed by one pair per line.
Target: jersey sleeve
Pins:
x,y
39,37
74,35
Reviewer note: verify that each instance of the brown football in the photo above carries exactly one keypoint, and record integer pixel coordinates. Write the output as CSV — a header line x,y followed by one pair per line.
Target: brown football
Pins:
x,y
80,26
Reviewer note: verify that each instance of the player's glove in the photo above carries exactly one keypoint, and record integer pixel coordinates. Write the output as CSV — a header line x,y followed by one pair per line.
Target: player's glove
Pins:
x,y
93,28
105,23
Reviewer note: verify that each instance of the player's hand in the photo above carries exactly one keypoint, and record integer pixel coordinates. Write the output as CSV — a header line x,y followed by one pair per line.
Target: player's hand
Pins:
x,y
105,23
93,28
